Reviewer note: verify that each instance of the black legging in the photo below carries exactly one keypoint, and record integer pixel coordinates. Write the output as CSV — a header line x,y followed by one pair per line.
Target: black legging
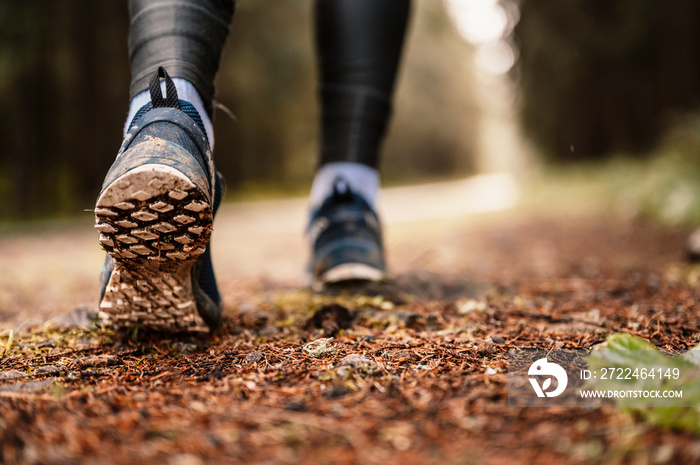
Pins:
x,y
358,45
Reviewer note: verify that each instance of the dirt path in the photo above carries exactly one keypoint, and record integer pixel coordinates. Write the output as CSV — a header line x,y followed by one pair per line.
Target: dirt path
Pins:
x,y
430,390
49,269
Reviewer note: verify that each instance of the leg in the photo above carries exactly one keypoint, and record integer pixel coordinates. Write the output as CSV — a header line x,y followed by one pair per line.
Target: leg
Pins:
x,y
359,45
157,203
185,37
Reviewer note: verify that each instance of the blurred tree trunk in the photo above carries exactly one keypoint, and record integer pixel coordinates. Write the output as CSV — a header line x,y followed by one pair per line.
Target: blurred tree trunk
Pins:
x,y
59,126
598,76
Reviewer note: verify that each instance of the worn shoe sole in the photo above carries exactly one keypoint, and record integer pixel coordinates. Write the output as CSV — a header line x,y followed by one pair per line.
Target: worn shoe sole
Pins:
x,y
155,223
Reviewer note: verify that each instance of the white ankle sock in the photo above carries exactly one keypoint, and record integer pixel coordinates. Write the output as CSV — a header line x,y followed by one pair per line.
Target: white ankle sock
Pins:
x,y
186,92
362,180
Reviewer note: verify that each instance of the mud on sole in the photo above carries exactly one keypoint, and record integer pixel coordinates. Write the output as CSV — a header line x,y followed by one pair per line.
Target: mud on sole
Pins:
x,y
155,223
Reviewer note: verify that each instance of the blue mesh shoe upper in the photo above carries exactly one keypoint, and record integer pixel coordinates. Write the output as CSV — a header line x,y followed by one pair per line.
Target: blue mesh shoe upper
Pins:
x,y
345,230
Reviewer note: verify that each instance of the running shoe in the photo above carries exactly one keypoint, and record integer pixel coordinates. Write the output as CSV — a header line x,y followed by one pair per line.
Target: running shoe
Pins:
x,y
346,240
154,215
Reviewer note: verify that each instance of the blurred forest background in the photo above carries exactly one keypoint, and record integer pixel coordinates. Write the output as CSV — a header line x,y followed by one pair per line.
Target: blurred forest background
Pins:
x,y
591,78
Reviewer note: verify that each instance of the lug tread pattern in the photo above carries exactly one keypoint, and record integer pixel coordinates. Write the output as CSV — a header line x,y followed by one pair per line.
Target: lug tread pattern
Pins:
x,y
155,223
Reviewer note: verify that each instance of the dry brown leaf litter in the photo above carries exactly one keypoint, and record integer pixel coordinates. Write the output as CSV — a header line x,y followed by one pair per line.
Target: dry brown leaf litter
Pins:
x,y
416,372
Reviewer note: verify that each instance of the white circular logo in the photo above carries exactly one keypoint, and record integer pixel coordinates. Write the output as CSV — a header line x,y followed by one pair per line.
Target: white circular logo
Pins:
x,y
542,367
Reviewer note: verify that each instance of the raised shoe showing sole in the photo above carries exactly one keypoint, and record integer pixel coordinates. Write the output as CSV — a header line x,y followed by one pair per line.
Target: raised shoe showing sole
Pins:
x,y
154,215
154,222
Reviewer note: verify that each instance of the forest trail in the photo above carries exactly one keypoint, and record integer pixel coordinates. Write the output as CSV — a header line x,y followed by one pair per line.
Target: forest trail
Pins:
x,y
470,283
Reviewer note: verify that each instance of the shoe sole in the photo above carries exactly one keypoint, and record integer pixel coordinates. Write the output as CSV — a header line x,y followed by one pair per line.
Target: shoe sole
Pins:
x,y
155,223
348,273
